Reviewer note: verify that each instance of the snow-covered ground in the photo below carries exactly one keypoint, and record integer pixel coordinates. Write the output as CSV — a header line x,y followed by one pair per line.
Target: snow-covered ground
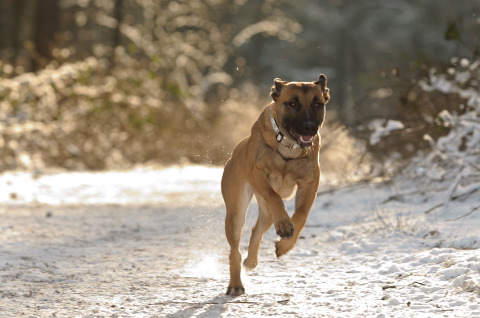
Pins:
x,y
150,243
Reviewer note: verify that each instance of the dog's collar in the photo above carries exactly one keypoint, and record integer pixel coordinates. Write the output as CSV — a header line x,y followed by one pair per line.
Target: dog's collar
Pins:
x,y
278,134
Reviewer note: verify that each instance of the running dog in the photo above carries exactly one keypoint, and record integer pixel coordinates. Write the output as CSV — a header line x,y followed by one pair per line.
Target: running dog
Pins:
x,y
281,155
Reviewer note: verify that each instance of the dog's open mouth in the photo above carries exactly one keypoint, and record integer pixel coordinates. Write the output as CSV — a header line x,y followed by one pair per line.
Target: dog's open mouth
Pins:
x,y
303,140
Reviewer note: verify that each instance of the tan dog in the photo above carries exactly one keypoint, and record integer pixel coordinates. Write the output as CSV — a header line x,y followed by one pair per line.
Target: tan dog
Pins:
x,y
280,155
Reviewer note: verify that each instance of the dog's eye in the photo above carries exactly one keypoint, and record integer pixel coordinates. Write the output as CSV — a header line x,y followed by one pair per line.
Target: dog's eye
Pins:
x,y
293,105
317,104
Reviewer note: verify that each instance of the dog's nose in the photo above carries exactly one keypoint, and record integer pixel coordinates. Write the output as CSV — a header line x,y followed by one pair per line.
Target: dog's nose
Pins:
x,y
310,128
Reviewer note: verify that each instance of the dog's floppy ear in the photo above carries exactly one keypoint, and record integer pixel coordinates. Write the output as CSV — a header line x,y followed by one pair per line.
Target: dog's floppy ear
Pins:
x,y
276,88
322,81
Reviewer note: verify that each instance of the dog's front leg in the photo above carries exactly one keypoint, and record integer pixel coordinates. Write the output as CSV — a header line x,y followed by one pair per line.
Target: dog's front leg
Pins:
x,y
306,194
281,220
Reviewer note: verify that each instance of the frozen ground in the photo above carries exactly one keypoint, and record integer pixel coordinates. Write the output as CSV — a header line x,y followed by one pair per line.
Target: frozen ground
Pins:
x,y
150,243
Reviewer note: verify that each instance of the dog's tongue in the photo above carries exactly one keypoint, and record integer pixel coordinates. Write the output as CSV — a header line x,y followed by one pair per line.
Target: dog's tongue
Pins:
x,y
302,139
306,138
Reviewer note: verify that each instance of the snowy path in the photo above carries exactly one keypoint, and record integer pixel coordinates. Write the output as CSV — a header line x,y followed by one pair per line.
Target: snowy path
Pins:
x,y
159,254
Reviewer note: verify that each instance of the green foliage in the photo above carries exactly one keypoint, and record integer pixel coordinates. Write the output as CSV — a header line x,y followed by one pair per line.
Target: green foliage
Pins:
x,y
452,32
132,48
176,90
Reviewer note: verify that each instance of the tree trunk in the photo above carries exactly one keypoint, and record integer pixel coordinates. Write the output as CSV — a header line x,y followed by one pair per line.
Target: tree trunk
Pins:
x,y
117,14
46,26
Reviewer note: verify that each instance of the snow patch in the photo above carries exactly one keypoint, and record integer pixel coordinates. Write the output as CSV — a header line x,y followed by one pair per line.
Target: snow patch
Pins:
x,y
202,266
380,129
451,273
175,185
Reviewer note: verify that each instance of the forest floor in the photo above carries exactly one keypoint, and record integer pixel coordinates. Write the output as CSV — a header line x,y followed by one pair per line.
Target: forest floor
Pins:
x,y
150,243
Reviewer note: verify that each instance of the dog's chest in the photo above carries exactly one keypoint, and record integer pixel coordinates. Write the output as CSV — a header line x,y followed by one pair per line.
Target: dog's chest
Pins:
x,y
284,185
289,152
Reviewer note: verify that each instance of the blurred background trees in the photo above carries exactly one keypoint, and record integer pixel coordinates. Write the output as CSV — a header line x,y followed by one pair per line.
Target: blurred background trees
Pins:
x,y
95,84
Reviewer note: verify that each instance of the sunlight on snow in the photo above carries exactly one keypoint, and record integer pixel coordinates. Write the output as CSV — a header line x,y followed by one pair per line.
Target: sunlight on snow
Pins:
x,y
174,185
203,266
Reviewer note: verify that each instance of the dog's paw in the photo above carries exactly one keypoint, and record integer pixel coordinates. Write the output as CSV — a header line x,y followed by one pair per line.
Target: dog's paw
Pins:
x,y
284,228
283,246
235,291
250,263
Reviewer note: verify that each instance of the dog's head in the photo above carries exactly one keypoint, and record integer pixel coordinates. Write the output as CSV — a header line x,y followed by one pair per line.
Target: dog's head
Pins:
x,y
300,107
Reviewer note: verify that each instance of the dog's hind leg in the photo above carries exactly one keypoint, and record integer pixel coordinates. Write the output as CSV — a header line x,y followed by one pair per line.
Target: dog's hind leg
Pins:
x,y
237,196
264,222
